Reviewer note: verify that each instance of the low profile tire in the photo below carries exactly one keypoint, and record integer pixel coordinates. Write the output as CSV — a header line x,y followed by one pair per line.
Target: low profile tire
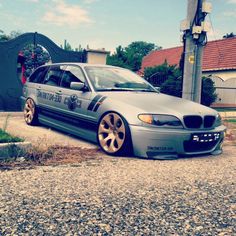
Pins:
x,y
114,135
30,112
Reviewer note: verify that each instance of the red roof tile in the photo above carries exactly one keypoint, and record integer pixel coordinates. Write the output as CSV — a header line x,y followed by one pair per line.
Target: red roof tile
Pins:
x,y
217,55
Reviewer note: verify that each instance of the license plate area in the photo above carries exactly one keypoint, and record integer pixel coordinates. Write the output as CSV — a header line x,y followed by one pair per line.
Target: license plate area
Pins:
x,y
205,137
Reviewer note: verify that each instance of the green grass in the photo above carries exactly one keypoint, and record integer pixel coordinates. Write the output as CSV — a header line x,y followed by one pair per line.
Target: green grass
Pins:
x,y
7,138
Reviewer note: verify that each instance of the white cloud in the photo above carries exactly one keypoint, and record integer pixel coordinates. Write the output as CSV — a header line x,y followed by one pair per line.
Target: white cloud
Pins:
x,y
232,1
34,1
96,44
90,1
230,13
214,34
17,21
63,14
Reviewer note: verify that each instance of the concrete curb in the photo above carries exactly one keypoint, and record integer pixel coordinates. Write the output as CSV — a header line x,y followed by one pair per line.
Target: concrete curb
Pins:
x,y
13,150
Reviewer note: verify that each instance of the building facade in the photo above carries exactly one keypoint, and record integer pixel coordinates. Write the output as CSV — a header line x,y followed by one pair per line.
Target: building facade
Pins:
x,y
219,64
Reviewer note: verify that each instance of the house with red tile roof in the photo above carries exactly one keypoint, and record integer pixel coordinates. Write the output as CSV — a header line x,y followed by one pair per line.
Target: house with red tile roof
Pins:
x,y
219,63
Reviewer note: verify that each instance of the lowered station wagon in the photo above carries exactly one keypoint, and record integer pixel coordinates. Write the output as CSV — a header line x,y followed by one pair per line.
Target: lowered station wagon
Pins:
x,y
120,111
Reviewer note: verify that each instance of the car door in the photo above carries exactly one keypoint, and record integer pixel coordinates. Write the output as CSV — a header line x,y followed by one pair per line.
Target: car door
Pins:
x,y
74,102
48,95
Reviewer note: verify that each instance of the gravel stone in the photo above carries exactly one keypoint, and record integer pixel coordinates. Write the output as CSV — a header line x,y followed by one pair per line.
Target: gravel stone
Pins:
x,y
122,196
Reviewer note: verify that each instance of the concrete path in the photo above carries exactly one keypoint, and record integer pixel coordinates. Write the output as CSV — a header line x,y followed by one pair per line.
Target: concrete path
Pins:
x,y
16,125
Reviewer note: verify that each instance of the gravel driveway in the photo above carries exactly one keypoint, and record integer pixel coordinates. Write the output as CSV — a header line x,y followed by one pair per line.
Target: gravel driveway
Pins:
x,y
122,196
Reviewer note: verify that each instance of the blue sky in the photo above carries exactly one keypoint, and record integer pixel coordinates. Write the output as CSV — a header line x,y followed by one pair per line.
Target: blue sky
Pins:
x,y
109,23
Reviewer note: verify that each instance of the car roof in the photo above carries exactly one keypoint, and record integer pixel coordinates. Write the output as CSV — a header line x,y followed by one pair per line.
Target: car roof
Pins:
x,y
80,64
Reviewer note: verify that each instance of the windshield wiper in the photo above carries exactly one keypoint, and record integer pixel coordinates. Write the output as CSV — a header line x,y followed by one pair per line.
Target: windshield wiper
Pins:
x,y
146,90
116,89
128,89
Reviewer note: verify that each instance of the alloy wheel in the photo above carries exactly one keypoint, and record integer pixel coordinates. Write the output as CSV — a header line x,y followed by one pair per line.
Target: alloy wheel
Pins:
x,y
29,111
111,133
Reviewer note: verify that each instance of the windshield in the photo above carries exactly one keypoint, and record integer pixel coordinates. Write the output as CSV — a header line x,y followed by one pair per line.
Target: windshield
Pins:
x,y
116,79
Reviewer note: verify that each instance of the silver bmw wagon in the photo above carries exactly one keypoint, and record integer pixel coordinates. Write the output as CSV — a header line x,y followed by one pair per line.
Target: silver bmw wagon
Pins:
x,y
120,111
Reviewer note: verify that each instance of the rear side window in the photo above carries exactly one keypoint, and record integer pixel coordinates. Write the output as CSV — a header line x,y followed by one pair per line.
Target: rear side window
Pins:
x,y
54,75
38,75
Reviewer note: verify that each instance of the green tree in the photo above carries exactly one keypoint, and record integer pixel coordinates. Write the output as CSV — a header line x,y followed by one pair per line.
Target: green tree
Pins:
x,y
131,56
66,46
119,58
3,36
12,35
136,51
230,35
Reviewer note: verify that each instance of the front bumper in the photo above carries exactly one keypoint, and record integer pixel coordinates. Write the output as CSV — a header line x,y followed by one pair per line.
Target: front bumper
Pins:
x,y
163,143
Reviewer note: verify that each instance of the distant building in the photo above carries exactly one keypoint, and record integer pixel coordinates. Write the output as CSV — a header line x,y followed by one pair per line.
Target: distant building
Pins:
x,y
219,64
97,56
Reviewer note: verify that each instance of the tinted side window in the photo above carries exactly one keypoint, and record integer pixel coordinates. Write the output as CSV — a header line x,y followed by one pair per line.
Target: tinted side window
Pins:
x,y
54,75
72,74
38,75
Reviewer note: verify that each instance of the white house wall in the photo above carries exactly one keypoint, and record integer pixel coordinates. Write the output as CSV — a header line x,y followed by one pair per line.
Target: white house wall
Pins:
x,y
225,83
225,75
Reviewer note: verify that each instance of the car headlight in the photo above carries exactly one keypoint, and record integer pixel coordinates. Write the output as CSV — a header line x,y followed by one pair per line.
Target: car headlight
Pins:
x,y
161,120
218,121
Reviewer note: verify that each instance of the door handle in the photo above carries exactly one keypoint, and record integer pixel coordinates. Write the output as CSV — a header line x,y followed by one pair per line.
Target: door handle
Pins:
x,y
58,92
39,88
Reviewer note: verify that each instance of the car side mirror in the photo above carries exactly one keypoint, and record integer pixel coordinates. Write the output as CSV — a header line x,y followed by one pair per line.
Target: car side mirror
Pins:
x,y
78,86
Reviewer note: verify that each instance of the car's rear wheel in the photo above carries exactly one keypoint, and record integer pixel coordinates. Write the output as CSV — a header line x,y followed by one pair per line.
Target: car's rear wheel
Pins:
x,y
114,135
30,112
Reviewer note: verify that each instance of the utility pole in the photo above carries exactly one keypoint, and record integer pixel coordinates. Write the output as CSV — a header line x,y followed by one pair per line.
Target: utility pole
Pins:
x,y
195,29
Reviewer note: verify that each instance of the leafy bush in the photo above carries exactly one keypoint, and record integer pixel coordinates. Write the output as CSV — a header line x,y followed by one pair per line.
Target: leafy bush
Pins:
x,y
173,82
172,86
163,71
208,95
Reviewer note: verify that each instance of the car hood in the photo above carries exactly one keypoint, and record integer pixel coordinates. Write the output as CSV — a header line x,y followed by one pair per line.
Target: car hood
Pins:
x,y
158,103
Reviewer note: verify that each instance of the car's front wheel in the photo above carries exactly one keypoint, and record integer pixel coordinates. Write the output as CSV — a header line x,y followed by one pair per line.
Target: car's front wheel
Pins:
x,y
30,112
114,135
